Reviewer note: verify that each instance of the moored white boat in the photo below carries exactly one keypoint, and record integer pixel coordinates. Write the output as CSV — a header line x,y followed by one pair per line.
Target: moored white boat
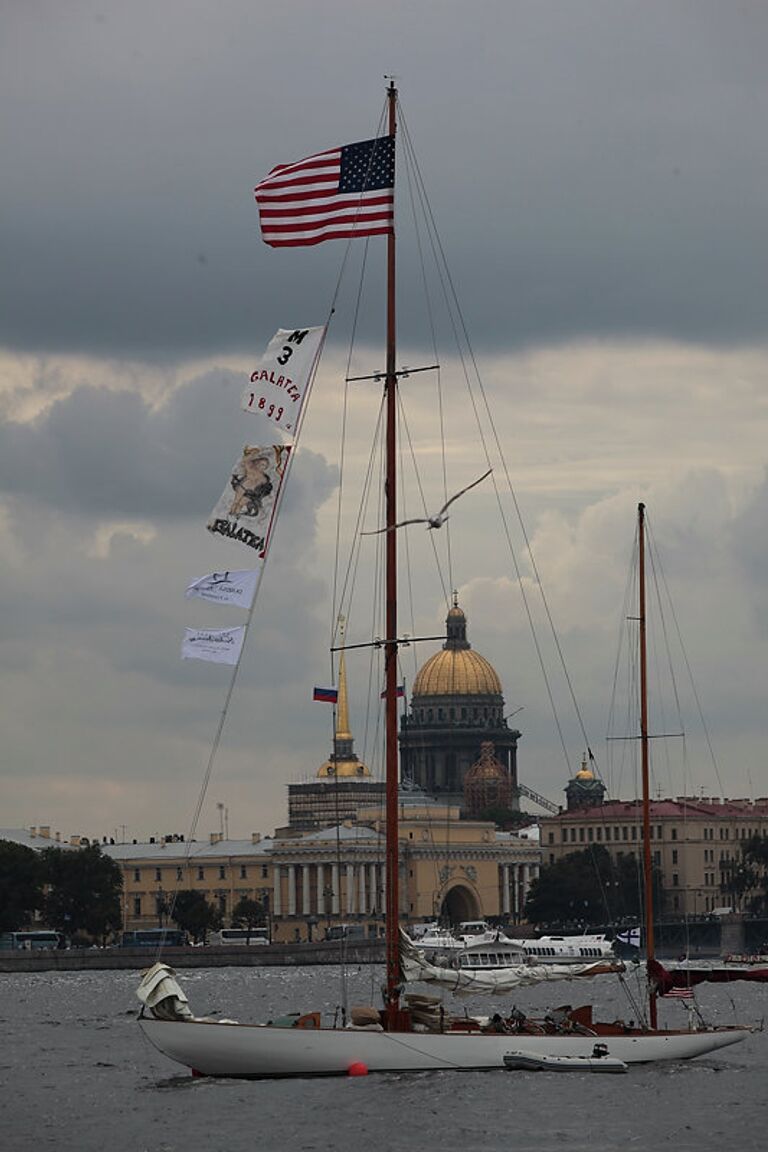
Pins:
x,y
217,1048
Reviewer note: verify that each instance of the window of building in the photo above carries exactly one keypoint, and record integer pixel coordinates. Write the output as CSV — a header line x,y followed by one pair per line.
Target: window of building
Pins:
x,y
573,835
264,871
137,905
625,833
674,833
158,873
674,855
222,872
658,832
551,838
657,859
581,835
590,834
615,833
243,872
607,833
675,880
179,873
564,835
599,833
676,903
201,874
137,874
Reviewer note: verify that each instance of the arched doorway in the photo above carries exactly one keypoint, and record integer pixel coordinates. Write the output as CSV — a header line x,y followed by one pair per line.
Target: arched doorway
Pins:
x,y
459,903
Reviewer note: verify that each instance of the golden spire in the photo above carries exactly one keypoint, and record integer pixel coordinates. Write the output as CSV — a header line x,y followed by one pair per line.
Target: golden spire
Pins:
x,y
342,714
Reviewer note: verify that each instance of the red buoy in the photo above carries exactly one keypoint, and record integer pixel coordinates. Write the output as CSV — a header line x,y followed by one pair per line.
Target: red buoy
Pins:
x,y
357,1068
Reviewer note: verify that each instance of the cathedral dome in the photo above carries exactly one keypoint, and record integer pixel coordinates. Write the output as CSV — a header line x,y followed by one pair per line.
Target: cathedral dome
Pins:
x,y
456,670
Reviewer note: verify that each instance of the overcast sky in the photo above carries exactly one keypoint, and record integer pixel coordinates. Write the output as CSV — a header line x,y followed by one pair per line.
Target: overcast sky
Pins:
x,y
598,174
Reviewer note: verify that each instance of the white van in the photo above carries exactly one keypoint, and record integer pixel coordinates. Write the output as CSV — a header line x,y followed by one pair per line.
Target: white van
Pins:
x,y
248,936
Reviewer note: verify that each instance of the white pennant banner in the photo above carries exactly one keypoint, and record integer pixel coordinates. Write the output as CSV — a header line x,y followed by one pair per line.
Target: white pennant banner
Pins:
x,y
246,509
226,587
279,384
218,645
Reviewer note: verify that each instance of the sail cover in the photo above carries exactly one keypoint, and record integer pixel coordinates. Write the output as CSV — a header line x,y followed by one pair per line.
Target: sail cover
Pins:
x,y
246,509
280,381
416,968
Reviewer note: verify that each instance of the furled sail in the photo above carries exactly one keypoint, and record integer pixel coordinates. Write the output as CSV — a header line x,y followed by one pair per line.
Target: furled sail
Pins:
x,y
417,969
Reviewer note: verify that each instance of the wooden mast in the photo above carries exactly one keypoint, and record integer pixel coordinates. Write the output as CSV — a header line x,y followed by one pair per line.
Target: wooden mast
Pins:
x,y
647,858
390,648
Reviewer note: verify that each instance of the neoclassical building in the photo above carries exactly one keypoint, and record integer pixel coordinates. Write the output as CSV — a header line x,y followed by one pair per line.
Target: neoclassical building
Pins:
x,y
456,706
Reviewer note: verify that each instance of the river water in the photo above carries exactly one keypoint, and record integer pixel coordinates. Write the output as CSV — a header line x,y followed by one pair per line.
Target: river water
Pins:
x,y
77,1075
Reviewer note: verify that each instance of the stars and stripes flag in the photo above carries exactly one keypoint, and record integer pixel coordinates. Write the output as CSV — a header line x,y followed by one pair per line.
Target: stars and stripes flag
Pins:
x,y
344,192
679,994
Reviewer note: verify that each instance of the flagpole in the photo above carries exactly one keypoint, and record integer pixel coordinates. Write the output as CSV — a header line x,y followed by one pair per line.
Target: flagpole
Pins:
x,y
390,650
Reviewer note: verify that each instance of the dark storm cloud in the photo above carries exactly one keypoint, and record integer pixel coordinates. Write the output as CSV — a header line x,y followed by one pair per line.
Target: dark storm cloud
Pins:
x,y
596,167
110,455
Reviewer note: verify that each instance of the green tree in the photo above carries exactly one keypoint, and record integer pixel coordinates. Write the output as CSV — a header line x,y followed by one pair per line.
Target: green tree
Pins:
x,y
248,914
21,885
589,886
83,891
745,878
194,915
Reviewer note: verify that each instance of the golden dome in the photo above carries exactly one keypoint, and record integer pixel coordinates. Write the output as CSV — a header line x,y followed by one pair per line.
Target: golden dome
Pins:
x,y
343,770
462,673
584,773
456,670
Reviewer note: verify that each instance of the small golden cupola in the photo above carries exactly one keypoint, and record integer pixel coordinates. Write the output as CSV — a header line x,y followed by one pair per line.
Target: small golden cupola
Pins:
x,y
343,762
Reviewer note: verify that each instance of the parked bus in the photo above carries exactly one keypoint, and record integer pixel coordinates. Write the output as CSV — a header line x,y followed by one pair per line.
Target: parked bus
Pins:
x,y
228,936
31,941
153,938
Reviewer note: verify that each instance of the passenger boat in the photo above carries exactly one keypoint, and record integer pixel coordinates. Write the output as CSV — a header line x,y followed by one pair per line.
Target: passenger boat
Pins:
x,y
400,1036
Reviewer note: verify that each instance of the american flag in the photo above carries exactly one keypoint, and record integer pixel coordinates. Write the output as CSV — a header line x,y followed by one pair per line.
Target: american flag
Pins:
x,y
680,993
340,193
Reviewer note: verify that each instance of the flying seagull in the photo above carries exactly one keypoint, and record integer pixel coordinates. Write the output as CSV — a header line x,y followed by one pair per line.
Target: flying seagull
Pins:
x,y
439,518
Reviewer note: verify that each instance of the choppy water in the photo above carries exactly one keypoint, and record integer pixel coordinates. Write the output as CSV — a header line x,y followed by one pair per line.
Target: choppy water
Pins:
x,y
77,1075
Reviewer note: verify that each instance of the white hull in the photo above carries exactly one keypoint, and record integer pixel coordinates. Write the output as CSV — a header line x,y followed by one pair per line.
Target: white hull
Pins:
x,y
221,1049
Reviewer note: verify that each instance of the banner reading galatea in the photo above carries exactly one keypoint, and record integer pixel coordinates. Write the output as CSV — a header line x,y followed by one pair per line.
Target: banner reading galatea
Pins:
x,y
279,384
226,587
247,506
219,645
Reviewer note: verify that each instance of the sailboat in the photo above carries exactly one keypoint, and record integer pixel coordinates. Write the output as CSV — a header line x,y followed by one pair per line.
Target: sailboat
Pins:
x,y
407,1033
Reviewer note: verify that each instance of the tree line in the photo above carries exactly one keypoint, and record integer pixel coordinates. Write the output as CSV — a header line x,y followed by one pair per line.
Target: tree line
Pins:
x,y
78,892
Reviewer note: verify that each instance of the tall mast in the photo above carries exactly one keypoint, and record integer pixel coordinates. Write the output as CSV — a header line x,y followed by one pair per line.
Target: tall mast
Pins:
x,y
390,648
647,859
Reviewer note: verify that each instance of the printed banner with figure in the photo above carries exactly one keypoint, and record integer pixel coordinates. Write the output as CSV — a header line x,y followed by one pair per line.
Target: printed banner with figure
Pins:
x,y
246,509
219,645
279,384
226,587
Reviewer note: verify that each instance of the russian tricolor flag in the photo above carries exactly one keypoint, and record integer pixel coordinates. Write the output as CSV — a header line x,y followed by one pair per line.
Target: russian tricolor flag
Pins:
x,y
326,695
399,692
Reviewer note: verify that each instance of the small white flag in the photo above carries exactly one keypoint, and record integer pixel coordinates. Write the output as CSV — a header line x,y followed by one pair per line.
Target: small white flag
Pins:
x,y
219,645
279,384
247,505
226,587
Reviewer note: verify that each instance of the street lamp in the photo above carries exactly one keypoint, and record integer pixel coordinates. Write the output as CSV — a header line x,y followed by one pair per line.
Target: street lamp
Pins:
x,y
327,902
